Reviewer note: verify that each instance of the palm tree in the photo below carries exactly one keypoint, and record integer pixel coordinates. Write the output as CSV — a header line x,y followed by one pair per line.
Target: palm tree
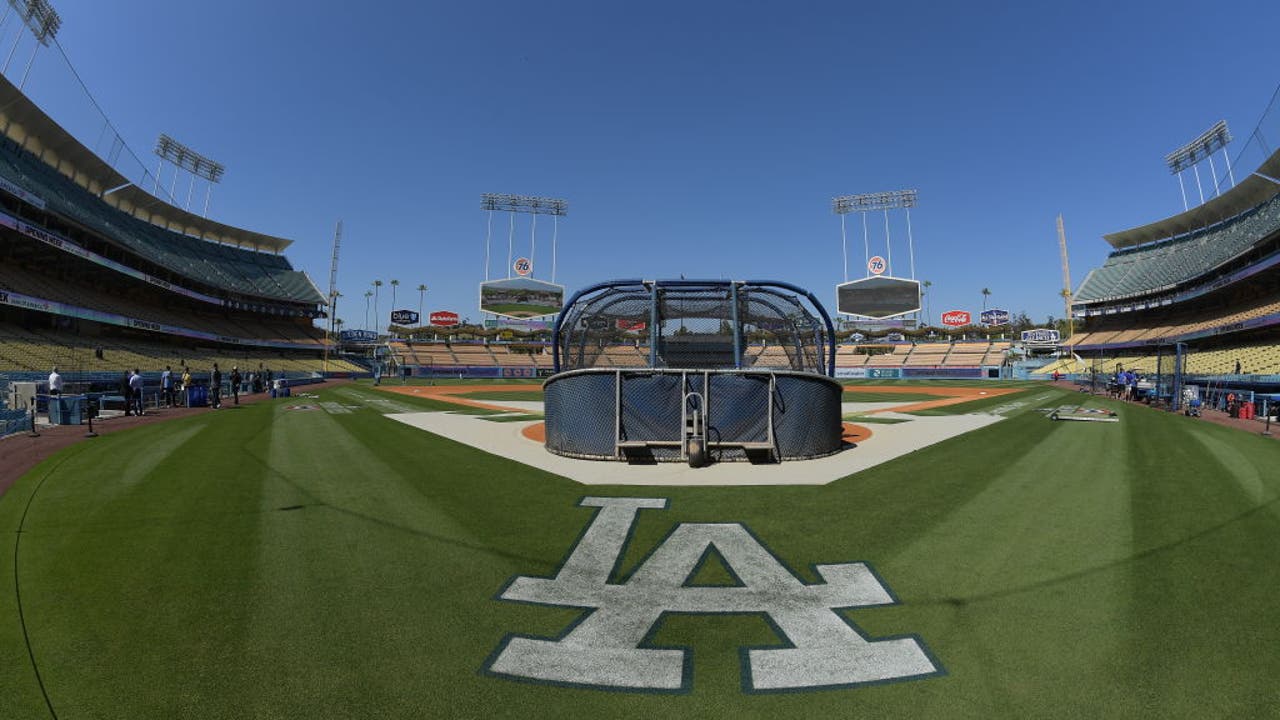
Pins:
x,y
926,285
394,283
367,295
986,293
377,322
422,290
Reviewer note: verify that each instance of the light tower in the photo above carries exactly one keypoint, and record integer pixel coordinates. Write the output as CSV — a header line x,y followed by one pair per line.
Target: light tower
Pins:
x,y
184,158
880,294
43,22
528,204
1193,153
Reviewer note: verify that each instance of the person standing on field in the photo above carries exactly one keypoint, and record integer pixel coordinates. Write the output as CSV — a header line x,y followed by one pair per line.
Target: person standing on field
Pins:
x,y
235,383
215,388
186,384
135,391
166,386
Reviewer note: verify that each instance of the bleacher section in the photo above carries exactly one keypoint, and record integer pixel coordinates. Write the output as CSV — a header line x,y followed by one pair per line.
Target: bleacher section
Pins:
x,y
39,350
900,355
1173,324
1160,266
236,270
1255,359
79,295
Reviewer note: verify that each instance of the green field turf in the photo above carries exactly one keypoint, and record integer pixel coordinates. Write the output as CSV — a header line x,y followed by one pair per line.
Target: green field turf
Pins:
x,y
266,562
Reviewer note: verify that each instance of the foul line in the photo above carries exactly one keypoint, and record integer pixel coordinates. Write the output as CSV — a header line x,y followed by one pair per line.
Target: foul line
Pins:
x,y
17,585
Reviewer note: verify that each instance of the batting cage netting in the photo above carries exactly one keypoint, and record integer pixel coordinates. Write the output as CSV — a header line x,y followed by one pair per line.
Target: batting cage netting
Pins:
x,y
694,324
668,370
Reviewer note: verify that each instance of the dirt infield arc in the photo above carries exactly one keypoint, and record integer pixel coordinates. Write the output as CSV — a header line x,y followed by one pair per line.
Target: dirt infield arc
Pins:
x,y
456,394
853,433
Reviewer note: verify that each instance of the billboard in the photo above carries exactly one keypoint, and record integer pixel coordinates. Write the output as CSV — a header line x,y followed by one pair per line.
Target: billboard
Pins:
x,y
994,317
358,336
520,298
443,318
957,318
1040,336
404,317
878,297
630,325
525,326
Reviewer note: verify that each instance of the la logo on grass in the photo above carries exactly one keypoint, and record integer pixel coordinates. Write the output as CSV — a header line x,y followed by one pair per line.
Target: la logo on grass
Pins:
x,y
606,649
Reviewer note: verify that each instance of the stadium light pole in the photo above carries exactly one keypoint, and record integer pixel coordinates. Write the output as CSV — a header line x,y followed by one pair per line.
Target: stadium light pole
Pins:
x,y
1216,138
422,291
529,204
377,319
43,22
880,201
197,165
368,295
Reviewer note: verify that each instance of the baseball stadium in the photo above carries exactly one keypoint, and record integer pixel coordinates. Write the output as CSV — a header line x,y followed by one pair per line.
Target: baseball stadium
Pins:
x,y
638,497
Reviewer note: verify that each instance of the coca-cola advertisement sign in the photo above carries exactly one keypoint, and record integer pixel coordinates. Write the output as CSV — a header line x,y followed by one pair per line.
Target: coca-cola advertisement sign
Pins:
x,y
444,318
957,318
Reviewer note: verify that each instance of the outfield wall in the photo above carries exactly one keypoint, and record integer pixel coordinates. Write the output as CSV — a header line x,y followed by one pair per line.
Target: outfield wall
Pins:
x,y
991,372
986,372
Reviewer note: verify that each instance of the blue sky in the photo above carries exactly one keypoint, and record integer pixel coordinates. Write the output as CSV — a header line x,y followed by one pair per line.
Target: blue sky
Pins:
x,y
704,139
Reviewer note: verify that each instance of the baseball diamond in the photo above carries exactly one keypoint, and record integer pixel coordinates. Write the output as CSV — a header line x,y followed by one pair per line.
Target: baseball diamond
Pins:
x,y
758,384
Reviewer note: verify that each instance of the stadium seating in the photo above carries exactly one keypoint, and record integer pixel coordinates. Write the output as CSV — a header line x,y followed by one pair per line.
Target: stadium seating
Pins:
x,y
38,350
246,272
1163,265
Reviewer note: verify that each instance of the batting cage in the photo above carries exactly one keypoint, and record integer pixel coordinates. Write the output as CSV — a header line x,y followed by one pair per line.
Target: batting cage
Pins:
x,y
693,370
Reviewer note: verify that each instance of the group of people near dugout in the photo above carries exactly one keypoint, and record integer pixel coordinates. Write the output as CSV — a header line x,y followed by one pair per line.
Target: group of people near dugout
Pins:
x,y
174,386
1123,385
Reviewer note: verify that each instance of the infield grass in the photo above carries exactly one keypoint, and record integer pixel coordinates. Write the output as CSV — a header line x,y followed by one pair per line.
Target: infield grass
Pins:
x,y
266,562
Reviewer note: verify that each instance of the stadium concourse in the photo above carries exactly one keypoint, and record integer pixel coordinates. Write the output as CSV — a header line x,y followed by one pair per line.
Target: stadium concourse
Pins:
x,y
97,276
1193,299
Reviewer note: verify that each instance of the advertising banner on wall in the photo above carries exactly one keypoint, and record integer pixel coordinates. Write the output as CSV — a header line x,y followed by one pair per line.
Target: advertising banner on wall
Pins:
x,y
1040,336
957,318
404,317
994,317
845,373
358,336
630,325
519,325
444,318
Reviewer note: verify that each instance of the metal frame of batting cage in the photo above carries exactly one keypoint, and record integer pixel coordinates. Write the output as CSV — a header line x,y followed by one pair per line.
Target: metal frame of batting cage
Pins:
x,y
829,340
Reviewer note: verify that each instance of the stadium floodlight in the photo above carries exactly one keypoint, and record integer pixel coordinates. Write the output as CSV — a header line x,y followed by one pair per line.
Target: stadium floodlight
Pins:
x,y
184,157
524,203
1210,141
40,18
530,204
869,202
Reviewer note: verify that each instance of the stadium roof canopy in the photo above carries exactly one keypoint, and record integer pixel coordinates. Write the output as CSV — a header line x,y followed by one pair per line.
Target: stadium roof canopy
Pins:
x,y
1248,194
28,125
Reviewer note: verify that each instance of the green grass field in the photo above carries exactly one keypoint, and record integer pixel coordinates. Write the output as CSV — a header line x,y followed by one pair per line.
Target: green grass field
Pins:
x,y
267,562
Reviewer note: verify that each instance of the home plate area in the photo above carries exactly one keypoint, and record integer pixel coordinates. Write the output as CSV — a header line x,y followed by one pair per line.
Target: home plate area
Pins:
x,y
885,434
